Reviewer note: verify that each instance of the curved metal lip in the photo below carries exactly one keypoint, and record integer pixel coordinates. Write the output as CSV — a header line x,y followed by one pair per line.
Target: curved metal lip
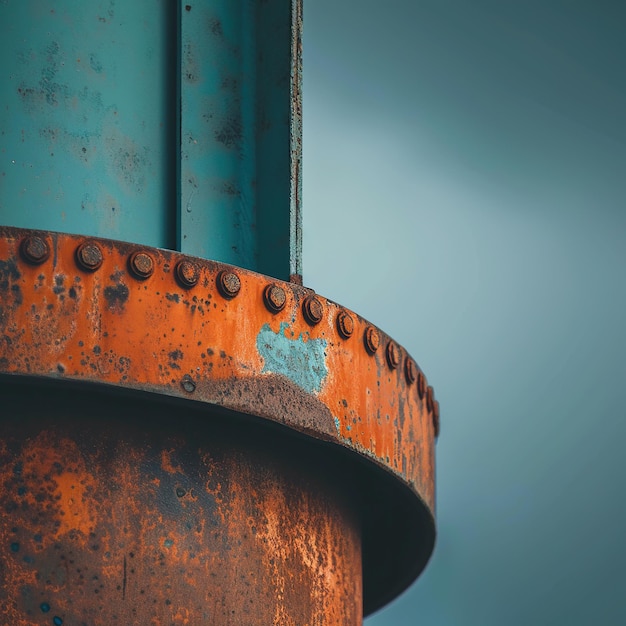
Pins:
x,y
175,334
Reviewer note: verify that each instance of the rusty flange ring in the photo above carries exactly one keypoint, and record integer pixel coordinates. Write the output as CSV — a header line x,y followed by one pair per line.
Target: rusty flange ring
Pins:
x,y
203,331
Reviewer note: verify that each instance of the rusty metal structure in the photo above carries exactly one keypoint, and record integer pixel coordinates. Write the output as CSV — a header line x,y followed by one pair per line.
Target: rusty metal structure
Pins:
x,y
188,435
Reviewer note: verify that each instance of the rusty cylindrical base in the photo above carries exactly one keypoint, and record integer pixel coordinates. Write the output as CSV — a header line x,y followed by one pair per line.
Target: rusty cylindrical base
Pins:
x,y
125,510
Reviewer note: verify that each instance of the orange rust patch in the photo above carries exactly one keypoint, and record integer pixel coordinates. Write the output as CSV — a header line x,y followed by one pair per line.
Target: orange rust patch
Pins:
x,y
282,540
76,512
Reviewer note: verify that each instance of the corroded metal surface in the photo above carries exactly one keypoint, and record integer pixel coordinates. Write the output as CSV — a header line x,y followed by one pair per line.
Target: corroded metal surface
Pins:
x,y
309,364
114,515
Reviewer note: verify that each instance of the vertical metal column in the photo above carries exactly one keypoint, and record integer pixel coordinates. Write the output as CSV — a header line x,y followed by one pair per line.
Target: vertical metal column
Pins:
x,y
113,517
170,124
241,133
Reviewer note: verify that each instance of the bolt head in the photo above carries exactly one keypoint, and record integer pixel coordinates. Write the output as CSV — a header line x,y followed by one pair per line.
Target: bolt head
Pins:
x,y
141,265
430,399
313,310
410,370
393,355
89,256
421,384
345,324
187,273
188,384
35,249
228,284
275,298
371,338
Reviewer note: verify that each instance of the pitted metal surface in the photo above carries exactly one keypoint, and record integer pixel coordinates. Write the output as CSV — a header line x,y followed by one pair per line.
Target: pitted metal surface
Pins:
x,y
114,514
203,331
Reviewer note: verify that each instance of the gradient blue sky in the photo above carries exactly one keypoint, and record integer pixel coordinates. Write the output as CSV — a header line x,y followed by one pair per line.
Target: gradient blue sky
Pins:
x,y
465,189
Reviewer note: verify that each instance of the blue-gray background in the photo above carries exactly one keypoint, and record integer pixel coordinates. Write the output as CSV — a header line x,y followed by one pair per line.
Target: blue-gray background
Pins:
x,y
465,189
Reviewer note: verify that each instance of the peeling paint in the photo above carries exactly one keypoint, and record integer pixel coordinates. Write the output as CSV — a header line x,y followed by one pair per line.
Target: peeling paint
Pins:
x,y
301,359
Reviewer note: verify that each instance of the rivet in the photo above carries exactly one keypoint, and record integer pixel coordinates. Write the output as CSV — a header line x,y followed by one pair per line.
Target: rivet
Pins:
x,y
421,384
228,284
34,249
345,324
313,310
430,398
393,355
436,421
188,273
187,384
371,339
275,298
89,256
141,264
410,370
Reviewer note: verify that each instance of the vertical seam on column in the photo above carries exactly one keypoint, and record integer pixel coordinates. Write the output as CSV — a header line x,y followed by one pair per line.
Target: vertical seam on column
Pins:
x,y
177,125
295,140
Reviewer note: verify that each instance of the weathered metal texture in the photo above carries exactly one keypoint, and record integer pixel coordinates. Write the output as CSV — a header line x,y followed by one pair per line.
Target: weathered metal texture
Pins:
x,y
88,118
249,343
113,513
295,140
169,124
241,133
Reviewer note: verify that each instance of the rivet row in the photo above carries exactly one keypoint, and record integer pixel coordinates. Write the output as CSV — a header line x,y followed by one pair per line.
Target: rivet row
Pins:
x,y
35,250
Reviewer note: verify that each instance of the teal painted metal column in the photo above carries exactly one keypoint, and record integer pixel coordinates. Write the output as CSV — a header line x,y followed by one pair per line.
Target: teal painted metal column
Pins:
x,y
87,122
170,124
240,133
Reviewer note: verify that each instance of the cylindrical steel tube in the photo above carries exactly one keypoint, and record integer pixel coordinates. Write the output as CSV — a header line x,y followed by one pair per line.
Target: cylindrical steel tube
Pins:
x,y
116,513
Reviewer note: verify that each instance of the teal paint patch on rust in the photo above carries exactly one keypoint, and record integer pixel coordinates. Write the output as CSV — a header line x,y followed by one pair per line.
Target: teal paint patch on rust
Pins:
x,y
301,359
338,425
